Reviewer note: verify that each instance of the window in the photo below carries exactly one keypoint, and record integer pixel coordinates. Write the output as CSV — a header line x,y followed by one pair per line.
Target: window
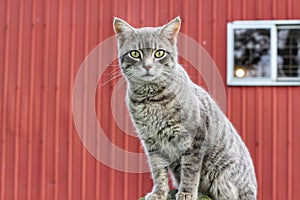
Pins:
x,y
263,52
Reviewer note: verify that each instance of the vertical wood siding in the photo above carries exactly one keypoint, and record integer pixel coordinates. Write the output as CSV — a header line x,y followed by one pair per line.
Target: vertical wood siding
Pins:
x,y
43,43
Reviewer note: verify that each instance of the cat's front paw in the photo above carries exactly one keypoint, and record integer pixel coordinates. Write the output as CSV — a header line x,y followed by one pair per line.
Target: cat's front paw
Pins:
x,y
184,196
155,196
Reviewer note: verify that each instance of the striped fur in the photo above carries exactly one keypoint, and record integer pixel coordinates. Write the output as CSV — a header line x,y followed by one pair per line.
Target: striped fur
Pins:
x,y
180,126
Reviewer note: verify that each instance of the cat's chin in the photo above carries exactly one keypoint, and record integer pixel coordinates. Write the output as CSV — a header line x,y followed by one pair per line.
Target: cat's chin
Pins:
x,y
147,79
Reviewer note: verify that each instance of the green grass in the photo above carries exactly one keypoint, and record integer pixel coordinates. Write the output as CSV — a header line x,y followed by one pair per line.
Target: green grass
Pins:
x,y
172,193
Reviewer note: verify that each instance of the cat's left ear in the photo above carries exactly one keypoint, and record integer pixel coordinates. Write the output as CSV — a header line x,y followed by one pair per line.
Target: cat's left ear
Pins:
x,y
171,29
122,29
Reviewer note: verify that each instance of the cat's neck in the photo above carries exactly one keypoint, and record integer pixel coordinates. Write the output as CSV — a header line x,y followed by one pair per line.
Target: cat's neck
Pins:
x,y
150,93
147,89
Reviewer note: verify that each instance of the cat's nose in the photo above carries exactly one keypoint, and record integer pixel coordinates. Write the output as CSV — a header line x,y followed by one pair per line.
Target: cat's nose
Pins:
x,y
147,67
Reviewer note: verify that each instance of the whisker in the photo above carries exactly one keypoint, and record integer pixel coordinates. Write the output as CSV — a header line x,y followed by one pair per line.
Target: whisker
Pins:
x,y
113,74
121,82
170,77
185,65
113,71
111,79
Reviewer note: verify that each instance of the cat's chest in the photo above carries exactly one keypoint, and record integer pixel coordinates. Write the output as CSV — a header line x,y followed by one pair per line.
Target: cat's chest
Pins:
x,y
155,119
160,127
151,116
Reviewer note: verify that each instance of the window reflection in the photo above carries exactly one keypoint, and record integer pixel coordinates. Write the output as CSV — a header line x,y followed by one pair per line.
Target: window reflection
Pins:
x,y
288,50
252,53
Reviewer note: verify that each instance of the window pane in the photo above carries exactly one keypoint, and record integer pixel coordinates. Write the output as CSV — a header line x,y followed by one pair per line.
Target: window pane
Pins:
x,y
288,50
252,53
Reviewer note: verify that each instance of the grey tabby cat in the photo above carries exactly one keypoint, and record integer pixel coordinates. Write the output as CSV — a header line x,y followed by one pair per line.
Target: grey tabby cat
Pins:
x,y
181,128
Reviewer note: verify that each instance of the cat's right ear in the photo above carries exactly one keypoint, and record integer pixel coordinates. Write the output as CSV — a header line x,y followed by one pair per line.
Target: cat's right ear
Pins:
x,y
122,29
171,29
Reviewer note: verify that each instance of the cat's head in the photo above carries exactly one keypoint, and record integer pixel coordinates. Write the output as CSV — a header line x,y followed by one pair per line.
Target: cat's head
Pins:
x,y
147,54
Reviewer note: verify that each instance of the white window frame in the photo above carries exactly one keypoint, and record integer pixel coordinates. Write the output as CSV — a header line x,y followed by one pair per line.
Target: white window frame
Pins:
x,y
273,80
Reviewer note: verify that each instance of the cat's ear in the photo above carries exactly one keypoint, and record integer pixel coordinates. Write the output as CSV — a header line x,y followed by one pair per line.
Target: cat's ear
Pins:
x,y
171,29
122,29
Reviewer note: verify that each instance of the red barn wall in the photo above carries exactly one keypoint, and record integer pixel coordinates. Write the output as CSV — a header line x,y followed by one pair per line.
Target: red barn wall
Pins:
x,y
42,44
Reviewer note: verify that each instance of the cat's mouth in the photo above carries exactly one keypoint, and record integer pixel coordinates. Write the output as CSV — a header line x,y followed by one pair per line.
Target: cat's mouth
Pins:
x,y
147,75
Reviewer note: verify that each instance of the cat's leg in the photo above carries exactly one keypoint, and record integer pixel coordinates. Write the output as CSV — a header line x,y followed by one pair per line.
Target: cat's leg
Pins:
x,y
249,196
249,191
159,170
223,188
190,177
175,170
235,183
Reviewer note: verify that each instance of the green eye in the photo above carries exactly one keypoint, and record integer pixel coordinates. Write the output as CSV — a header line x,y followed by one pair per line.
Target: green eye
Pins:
x,y
135,54
159,53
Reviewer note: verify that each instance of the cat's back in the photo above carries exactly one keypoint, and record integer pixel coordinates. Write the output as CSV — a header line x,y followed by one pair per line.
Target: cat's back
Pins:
x,y
227,157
